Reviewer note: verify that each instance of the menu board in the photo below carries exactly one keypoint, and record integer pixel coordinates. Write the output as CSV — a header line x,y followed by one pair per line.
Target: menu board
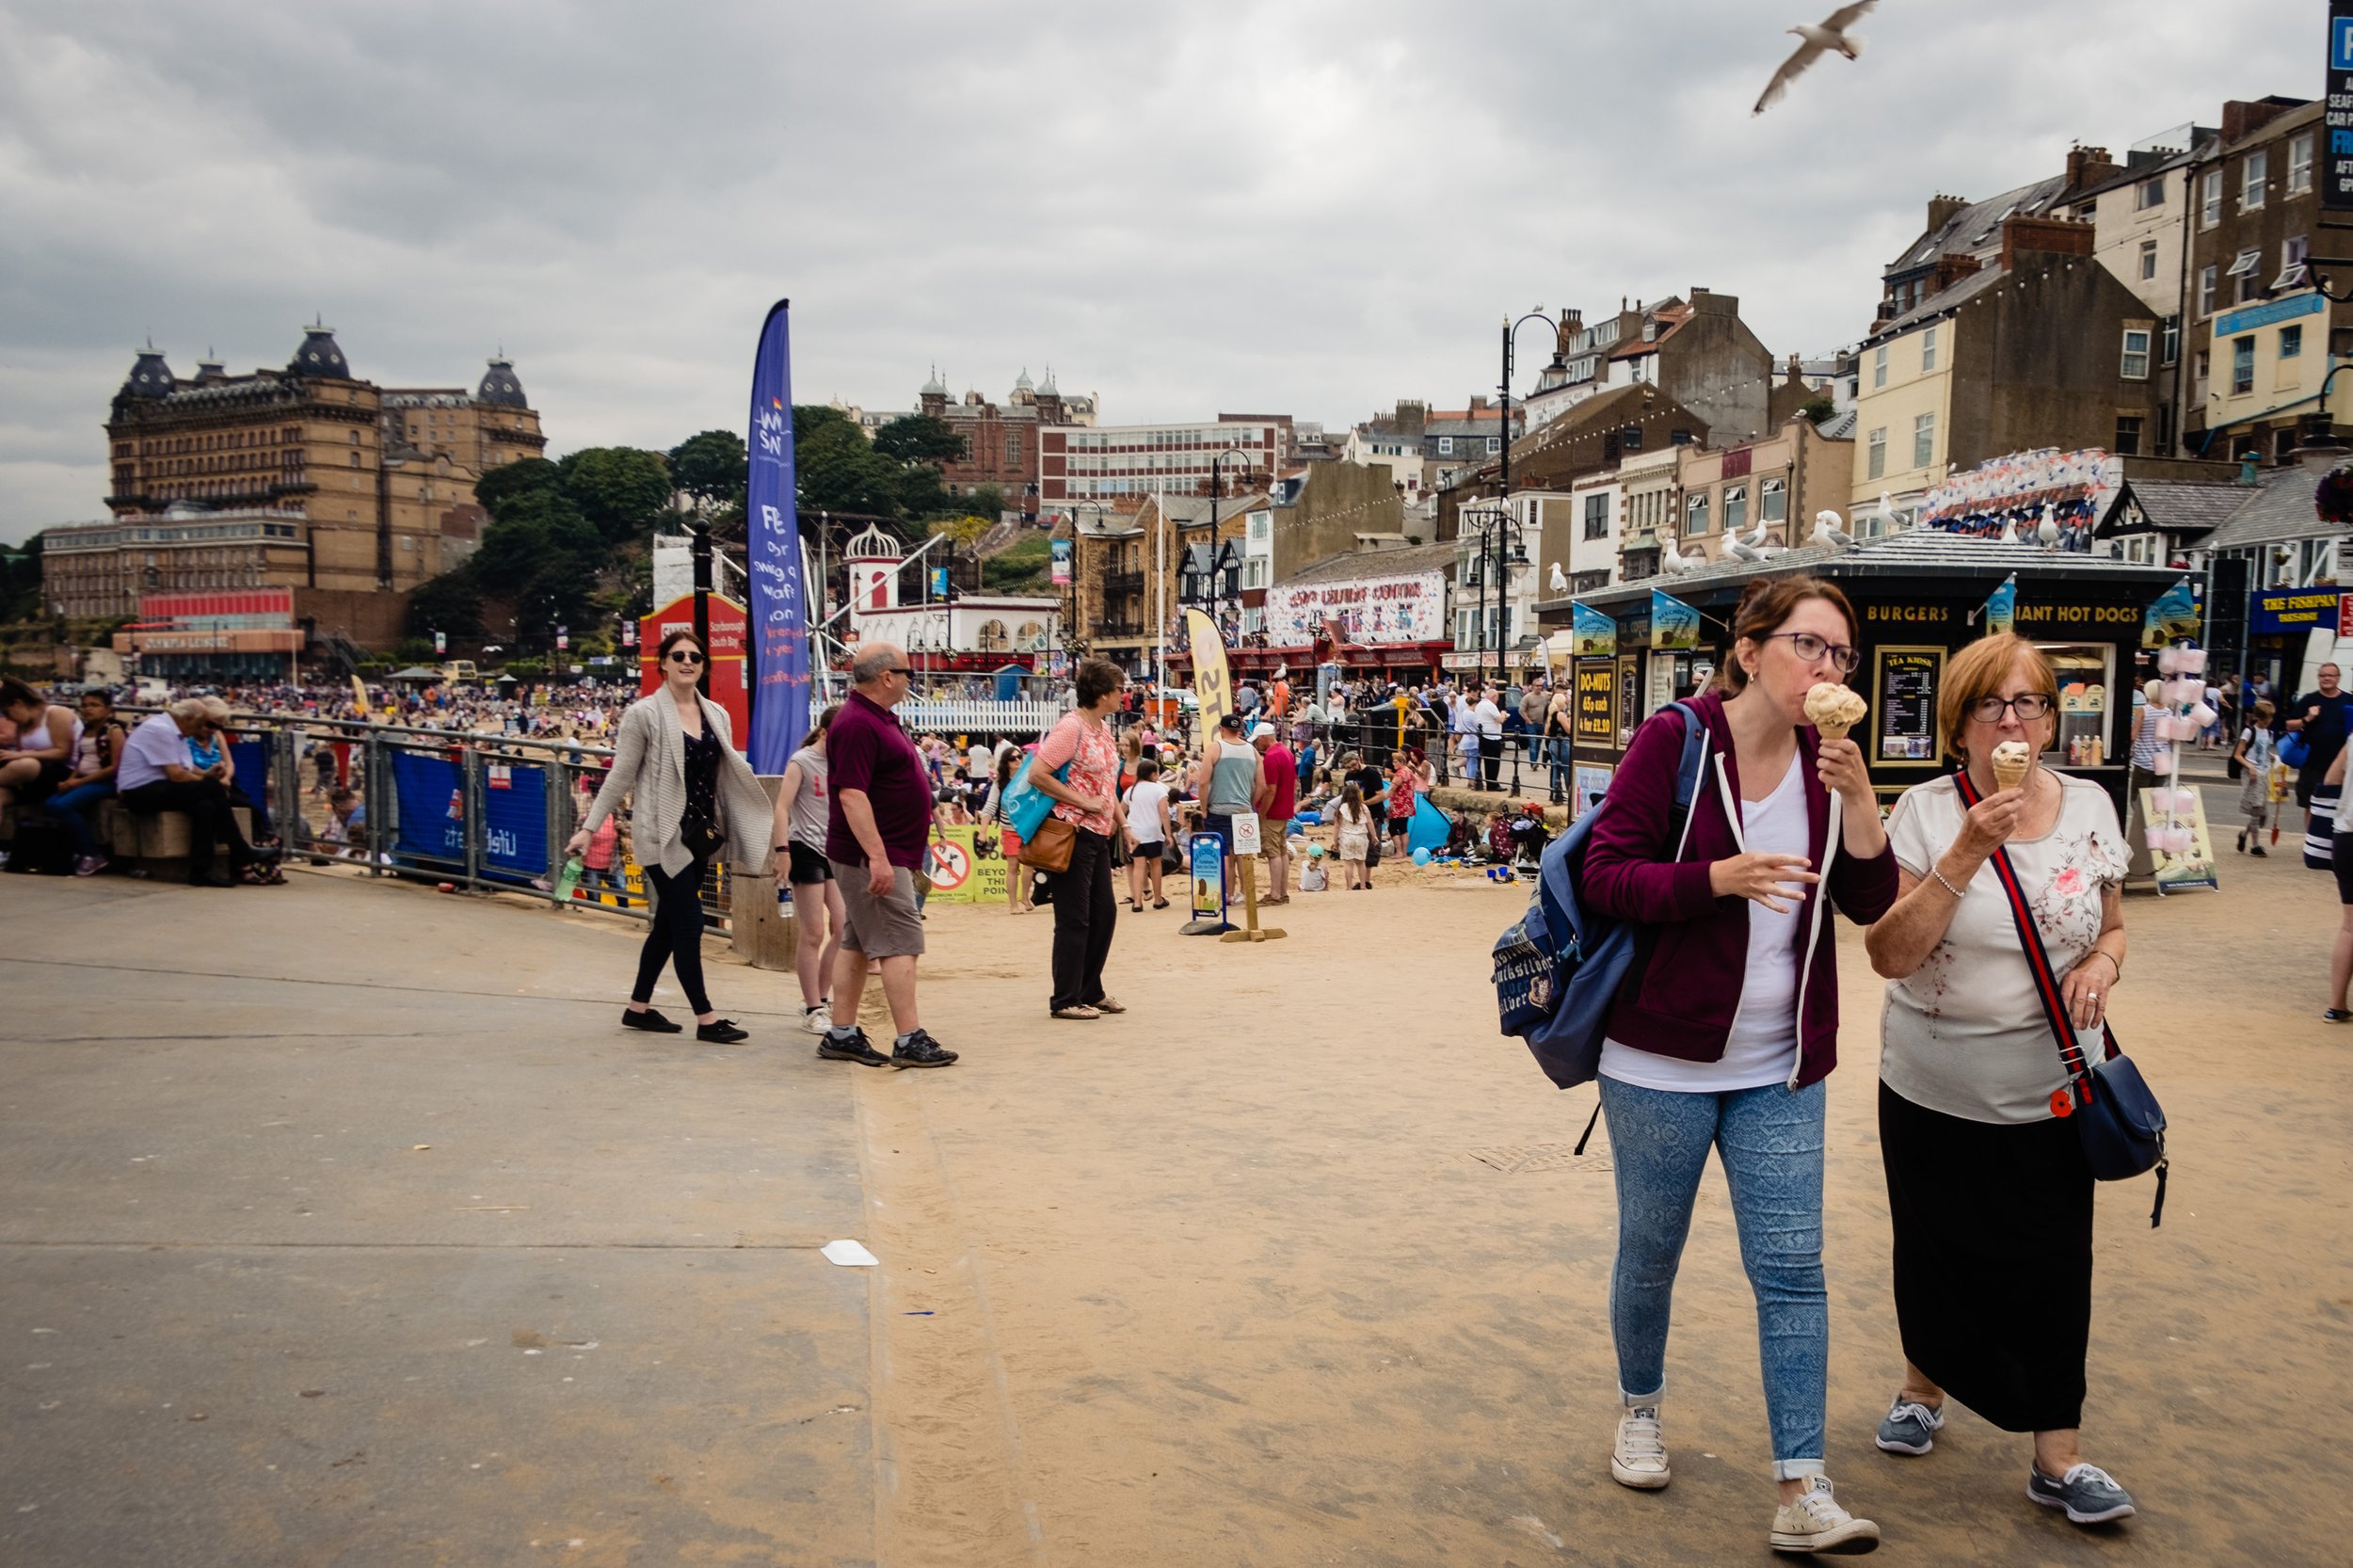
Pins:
x,y
1629,697
1905,721
1595,721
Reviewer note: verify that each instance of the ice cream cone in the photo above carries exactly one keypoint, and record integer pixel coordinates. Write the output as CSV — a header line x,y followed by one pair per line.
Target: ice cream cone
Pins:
x,y
1831,730
2012,759
1834,709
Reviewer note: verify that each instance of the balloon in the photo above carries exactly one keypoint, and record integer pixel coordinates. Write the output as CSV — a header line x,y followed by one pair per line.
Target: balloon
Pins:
x,y
1421,857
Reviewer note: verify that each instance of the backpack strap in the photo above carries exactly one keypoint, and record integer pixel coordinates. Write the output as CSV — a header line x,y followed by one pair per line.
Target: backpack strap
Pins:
x,y
2046,986
1688,773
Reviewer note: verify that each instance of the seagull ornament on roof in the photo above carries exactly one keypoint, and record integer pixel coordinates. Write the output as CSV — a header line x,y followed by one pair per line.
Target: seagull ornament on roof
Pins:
x,y
1821,38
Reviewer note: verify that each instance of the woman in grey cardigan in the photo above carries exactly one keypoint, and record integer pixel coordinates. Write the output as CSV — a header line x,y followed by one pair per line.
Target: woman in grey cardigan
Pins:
x,y
692,794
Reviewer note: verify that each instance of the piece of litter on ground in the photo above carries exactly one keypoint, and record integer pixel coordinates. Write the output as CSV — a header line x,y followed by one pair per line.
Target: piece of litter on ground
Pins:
x,y
415,1146
850,1254
925,1313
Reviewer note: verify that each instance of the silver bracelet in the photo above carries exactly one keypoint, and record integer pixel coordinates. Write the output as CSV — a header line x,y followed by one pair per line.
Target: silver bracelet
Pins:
x,y
1947,886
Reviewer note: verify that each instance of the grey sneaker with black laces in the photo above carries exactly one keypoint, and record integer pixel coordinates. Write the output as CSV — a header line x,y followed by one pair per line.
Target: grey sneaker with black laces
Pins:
x,y
1910,1427
2087,1493
919,1049
851,1044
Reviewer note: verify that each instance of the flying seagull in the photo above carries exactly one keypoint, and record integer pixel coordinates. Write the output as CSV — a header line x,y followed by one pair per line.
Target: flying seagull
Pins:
x,y
1826,35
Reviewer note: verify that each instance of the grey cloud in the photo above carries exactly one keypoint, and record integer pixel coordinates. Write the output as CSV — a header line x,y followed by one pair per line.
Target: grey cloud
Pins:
x,y
1312,207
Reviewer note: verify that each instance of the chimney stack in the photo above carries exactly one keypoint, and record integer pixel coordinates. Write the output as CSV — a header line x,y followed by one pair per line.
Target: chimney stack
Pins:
x,y
1940,209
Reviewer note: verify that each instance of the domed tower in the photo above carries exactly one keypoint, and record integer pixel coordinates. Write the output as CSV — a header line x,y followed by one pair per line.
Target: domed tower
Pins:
x,y
1024,391
934,398
210,370
873,560
499,386
319,355
149,377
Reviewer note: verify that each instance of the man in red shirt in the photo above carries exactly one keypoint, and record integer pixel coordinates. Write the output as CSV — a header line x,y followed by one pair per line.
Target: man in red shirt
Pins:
x,y
878,818
1277,799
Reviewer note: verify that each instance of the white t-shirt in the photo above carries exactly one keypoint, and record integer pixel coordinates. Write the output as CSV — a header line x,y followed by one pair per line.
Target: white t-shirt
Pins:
x,y
978,762
157,741
1762,1047
1490,720
1964,1033
1143,809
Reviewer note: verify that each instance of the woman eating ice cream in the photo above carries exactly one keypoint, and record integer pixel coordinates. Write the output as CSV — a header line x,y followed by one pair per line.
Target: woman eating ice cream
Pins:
x,y
1987,1187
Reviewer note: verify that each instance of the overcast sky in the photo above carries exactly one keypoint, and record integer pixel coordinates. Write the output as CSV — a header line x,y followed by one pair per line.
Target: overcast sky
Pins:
x,y
1297,207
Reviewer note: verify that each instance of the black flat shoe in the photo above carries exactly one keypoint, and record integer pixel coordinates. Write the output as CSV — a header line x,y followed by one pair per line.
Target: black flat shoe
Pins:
x,y
649,1021
721,1031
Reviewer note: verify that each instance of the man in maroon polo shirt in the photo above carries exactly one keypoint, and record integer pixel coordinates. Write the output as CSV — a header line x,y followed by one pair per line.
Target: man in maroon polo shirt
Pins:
x,y
878,817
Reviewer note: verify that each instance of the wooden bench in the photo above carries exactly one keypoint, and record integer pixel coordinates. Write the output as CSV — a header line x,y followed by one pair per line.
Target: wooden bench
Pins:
x,y
156,845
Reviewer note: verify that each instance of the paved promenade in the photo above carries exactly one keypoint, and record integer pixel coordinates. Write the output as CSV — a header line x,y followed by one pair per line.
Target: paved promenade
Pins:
x,y
1288,1265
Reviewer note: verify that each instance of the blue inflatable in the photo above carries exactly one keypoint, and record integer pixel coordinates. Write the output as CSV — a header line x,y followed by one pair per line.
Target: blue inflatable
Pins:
x,y
1421,856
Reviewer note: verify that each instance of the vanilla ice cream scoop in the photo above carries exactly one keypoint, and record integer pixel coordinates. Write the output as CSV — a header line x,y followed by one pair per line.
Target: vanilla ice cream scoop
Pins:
x,y
1834,709
2012,759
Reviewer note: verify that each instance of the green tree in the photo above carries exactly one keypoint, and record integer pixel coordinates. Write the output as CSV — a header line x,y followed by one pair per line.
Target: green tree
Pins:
x,y
1818,409
622,490
712,467
450,602
840,470
497,488
919,439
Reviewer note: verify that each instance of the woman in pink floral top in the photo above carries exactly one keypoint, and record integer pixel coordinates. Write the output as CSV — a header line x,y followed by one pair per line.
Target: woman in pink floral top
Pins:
x,y
1405,786
1085,909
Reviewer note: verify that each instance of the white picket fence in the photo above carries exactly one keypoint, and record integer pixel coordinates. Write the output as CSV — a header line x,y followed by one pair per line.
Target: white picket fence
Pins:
x,y
980,716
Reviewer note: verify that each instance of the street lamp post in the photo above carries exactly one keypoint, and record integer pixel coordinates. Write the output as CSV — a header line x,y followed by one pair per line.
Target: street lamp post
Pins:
x,y
1503,418
1217,555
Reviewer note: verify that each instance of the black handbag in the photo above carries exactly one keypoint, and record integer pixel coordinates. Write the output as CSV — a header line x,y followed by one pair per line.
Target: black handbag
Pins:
x,y
2118,1120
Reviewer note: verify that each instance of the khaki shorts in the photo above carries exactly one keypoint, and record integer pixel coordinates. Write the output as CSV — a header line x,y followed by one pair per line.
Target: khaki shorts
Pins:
x,y
883,927
1275,836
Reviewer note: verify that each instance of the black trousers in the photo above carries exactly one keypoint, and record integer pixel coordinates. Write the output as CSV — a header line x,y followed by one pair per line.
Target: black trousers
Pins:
x,y
1491,761
675,934
206,801
261,828
1993,1226
1084,913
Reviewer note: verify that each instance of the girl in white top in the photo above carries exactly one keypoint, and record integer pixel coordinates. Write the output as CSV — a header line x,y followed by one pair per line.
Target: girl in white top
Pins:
x,y
1149,832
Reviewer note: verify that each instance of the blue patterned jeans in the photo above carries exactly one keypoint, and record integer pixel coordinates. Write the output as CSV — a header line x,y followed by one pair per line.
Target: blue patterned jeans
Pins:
x,y
1771,1142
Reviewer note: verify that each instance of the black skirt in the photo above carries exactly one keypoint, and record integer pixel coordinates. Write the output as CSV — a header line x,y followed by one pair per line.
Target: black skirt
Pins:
x,y
1992,1224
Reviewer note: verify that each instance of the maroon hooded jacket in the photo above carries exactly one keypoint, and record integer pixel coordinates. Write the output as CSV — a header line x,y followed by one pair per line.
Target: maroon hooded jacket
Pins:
x,y
1691,956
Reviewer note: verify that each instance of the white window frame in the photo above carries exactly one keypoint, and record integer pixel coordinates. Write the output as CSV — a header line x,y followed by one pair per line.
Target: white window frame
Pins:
x,y
1923,441
2152,194
1495,444
1772,501
1735,507
2134,365
2300,163
1695,514
2291,341
2254,175
2210,199
2148,260
2295,272
2209,279
1446,446
1875,452
2243,359
1928,351
1879,367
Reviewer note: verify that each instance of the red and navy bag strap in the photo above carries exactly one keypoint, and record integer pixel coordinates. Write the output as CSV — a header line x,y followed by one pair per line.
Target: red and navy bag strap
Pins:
x,y
2046,985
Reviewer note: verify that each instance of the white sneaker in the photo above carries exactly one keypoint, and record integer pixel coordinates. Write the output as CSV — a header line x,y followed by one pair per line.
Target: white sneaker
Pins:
x,y
817,1019
1816,1523
1640,1459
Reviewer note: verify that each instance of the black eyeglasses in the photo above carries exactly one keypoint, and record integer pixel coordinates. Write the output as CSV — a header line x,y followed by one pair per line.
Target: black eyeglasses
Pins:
x,y
1811,647
2026,705
685,656
898,669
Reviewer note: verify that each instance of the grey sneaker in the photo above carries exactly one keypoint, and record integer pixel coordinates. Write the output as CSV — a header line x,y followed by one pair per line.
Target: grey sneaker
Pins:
x,y
1816,1523
1640,1458
852,1046
817,1019
1910,1427
2089,1495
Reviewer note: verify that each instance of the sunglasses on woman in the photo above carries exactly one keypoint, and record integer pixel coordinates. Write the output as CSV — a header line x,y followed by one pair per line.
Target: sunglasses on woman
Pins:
x,y
685,656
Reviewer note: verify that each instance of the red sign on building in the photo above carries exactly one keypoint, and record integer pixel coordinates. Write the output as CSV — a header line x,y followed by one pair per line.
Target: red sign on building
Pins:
x,y
729,683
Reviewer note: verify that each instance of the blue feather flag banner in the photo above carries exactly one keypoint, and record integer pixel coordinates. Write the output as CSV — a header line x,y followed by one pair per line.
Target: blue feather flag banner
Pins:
x,y
779,601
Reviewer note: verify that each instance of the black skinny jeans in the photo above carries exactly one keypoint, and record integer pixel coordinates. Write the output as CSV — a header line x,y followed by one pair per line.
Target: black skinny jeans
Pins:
x,y
1084,913
675,934
206,801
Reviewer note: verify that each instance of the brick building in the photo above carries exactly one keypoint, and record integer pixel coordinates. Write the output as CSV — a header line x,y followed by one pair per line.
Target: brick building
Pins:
x,y
307,478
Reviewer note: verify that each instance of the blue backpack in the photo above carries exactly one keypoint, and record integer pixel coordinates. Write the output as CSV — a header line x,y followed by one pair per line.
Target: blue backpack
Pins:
x,y
1561,966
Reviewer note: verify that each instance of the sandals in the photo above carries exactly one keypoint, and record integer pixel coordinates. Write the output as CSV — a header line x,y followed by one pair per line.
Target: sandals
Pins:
x,y
263,873
1077,1010
1111,1005
1160,904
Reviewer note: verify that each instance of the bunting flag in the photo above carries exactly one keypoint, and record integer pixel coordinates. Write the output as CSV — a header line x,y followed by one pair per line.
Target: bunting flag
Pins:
x,y
2173,614
779,607
1673,623
2001,609
1596,635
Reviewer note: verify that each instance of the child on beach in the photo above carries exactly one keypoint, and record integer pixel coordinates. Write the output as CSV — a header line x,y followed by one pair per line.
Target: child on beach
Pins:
x,y
1351,836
